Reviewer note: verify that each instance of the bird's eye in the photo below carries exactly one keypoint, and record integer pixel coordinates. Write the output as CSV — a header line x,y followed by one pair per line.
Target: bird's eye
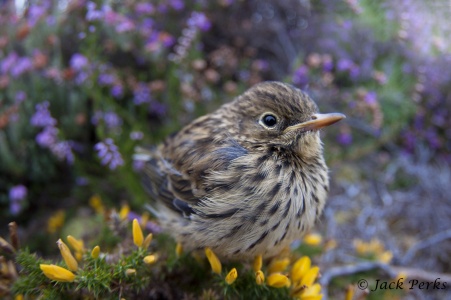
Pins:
x,y
269,120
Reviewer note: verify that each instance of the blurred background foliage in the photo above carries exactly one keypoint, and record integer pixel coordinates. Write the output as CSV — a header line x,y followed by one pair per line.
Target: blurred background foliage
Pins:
x,y
83,82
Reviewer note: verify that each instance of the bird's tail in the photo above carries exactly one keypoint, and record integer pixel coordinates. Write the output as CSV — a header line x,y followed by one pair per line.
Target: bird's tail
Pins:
x,y
151,177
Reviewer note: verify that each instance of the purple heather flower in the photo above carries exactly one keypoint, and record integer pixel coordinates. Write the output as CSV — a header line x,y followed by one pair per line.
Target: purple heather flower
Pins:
x,y
112,120
244,75
51,21
17,193
16,196
410,139
328,64
433,139
106,79
344,138
15,207
167,40
141,94
81,181
20,97
371,98
125,25
439,119
136,135
354,72
300,76
199,20
261,64
144,8
109,154
117,91
347,24
92,14
81,35
8,62
23,65
63,151
35,12
98,115
81,78
47,137
177,4
158,108
146,26
78,62
344,64
42,117
163,8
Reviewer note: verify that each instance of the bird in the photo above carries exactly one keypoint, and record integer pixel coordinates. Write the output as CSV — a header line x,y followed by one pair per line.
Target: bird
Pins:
x,y
245,180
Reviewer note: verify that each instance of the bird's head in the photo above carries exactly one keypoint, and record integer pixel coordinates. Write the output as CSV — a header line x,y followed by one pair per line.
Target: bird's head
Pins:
x,y
280,115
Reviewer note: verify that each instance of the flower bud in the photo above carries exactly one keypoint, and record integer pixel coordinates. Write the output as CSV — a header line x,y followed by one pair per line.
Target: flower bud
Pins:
x,y
69,259
57,273
214,261
137,234
232,276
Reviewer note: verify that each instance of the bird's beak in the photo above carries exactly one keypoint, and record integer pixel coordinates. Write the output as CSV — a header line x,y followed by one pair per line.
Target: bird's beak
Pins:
x,y
318,121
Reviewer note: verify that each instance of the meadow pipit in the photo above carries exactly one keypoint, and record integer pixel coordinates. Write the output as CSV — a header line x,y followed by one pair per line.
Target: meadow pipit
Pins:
x,y
246,179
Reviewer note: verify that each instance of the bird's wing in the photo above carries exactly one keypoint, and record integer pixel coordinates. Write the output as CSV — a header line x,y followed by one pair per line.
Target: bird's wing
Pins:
x,y
176,175
163,182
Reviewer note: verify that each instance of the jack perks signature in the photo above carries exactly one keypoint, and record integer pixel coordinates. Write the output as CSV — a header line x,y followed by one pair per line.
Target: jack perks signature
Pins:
x,y
400,284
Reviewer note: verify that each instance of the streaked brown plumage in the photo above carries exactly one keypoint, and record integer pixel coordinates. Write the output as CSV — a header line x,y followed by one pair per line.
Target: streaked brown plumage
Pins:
x,y
246,179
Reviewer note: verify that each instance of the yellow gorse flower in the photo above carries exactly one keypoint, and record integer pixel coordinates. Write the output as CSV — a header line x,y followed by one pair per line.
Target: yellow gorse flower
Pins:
x,y
258,262
95,252
147,240
150,259
179,249
259,277
402,276
311,293
300,267
96,203
310,277
330,244
350,292
304,276
77,245
130,272
56,221
144,219
69,259
385,257
278,265
232,276
278,280
313,239
374,248
138,237
4,268
214,261
123,213
57,273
